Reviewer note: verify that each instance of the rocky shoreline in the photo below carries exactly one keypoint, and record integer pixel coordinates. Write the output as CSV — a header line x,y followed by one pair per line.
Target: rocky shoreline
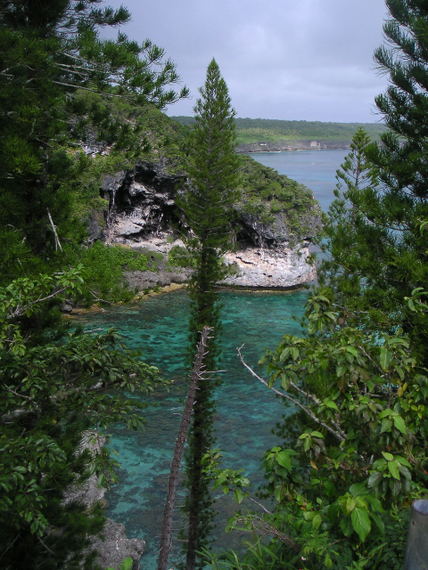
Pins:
x,y
112,545
142,215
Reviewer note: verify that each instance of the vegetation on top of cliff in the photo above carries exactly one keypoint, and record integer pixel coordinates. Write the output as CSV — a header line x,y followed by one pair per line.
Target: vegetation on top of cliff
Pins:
x,y
274,197
273,130
265,193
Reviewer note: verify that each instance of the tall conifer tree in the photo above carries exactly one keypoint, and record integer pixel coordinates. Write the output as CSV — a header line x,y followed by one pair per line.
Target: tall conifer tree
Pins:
x,y
58,78
388,247
208,205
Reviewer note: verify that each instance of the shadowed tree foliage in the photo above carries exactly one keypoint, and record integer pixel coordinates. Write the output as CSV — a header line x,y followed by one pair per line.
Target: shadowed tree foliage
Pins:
x,y
58,80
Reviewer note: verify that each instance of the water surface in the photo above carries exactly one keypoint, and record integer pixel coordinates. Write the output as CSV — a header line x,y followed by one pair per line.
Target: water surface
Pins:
x,y
246,410
314,168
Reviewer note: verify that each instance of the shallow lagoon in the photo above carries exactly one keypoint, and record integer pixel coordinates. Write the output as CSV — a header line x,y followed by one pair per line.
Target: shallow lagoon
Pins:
x,y
246,410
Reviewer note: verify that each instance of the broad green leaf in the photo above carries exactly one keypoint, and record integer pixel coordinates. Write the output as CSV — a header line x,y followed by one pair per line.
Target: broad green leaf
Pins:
x,y
386,357
375,504
278,493
341,370
317,434
358,490
378,522
374,479
400,424
285,381
284,460
393,469
333,511
284,354
351,503
295,353
386,425
352,350
316,521
402,461
239,495
388,456
361,522
346,526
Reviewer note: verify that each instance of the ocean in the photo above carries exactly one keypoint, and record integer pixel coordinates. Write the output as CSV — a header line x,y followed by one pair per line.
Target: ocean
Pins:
x,y
316,169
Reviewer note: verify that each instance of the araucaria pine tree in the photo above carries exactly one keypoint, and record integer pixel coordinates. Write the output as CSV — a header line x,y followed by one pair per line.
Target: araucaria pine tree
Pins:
x,y
213,167
58,83
395,259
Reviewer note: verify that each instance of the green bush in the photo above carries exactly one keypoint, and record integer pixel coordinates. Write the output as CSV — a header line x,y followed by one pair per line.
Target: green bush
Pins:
x,y
180,257
104,266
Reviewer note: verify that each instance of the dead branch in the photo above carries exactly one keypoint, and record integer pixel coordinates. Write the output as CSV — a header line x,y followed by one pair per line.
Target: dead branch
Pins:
x,y
166,537
340,435
57,242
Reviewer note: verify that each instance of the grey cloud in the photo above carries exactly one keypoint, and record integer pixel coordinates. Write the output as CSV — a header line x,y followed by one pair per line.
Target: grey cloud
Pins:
x,y
307,60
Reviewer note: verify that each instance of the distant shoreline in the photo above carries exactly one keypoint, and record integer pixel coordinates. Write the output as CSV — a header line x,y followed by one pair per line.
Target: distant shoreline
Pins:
x,y
287,146
271,135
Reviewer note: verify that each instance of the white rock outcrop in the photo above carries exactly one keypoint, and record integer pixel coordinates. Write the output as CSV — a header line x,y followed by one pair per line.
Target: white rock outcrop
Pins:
x,y
269,269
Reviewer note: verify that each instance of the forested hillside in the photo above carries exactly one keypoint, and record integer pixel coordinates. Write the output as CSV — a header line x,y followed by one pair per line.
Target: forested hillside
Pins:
x,y
273,130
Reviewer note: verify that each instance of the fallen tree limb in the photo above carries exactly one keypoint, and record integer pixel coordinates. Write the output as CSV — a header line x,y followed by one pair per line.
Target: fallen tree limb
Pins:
x,y
197,372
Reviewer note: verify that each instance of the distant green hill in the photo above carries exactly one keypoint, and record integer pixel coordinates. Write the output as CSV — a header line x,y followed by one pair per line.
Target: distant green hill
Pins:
x,y
250,131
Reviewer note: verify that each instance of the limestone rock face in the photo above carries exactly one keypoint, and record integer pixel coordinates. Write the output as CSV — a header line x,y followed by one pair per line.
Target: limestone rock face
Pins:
x,y
116,546
142,213
270,269
141,202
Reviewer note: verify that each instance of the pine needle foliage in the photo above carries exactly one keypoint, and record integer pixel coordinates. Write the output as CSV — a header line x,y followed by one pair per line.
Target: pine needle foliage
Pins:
x,y
208,206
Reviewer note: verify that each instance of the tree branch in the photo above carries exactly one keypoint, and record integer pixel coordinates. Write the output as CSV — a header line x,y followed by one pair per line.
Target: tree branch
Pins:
x,y
340,435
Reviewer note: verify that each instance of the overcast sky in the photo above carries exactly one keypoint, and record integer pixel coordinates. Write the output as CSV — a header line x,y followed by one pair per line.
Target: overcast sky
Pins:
x,y
281,59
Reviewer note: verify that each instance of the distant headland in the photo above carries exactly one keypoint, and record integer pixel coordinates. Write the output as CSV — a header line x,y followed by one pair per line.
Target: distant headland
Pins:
x,y
272,135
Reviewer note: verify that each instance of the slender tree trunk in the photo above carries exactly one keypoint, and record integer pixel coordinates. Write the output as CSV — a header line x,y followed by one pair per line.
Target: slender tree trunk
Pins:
x,y
166,538
195,500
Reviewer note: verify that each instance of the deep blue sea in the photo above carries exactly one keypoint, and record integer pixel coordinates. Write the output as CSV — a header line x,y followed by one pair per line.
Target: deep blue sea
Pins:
x,y
246,410
314,168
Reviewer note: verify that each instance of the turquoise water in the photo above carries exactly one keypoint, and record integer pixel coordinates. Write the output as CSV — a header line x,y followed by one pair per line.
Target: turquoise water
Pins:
x,y
246,410
314,168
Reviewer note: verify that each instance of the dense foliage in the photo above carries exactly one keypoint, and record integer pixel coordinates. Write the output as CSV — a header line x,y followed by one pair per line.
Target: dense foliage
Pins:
x,y
274,198
53,387
65,94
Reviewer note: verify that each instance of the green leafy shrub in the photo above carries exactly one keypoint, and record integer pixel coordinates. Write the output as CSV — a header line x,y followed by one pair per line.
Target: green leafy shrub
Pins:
x,y
104,267
180,257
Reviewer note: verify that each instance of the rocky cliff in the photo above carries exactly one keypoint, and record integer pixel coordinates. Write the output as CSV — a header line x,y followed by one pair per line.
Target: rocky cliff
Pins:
x,y
142,213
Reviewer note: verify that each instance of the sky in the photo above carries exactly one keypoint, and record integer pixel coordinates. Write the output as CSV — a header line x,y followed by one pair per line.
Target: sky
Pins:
x,y
308,60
